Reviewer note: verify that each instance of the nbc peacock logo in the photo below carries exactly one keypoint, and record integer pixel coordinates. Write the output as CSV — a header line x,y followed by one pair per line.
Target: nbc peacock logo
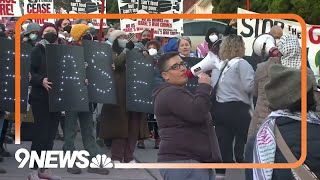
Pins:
x,y
101,161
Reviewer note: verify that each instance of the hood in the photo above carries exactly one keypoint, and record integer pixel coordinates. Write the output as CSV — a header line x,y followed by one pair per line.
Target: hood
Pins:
x,y
159,88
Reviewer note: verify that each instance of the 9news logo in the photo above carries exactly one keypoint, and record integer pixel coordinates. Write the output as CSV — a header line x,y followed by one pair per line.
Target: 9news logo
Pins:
x,y
60,159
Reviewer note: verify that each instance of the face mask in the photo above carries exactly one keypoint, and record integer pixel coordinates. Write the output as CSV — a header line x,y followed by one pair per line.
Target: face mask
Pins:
x,y
152,52
144,41
122,42
33,36
87,37
213,38
67,28
51,37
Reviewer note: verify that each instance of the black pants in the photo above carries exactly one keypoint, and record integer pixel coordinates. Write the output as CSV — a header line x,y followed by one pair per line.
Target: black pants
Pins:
x,y
4,132
231,121
152,124
45,126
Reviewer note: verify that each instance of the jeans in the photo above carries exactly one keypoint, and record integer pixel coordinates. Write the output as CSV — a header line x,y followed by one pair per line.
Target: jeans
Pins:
x,y
187,174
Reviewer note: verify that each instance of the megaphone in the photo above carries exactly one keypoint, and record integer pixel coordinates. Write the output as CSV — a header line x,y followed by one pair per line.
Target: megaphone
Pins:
x,y
208,63
264,45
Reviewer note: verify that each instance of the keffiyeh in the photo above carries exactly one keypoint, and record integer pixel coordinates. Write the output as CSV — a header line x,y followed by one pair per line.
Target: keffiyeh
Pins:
x,y
290,49
265,144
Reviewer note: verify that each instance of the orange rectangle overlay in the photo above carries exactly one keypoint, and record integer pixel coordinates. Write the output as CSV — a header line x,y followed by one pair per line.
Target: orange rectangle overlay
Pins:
x,y
179,16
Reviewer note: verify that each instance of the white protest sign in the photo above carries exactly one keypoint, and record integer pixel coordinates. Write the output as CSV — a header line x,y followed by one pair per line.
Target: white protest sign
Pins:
x,y
10,8
249,29
162,27
39,7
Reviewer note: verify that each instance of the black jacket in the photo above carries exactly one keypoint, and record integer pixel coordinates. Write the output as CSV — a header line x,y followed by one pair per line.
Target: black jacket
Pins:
x,y
291,132
38,72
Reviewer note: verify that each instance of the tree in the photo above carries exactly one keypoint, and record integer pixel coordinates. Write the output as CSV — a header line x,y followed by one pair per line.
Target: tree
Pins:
x,y
309,10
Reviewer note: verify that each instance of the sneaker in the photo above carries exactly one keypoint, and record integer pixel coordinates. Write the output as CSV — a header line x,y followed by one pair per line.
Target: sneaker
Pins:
x,y
133,162
116,162
74,170
141,145
2,171
102,171
47,174
34,176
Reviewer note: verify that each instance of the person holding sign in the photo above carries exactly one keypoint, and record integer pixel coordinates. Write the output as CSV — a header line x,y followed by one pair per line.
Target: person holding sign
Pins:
x,y
119,124
45,122
184,120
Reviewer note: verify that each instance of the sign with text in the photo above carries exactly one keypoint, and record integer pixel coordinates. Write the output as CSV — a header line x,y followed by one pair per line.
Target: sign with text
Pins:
x,y
249,29
162,27
39,7
10,8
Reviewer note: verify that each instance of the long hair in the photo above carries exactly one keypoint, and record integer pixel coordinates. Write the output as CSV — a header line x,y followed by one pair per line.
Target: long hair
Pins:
x,y
231,46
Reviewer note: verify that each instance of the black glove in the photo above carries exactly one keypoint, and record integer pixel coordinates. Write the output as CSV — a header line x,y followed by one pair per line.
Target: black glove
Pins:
x,y
130,45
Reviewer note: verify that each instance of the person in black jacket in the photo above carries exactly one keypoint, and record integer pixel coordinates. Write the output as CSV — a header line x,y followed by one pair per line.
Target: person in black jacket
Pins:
x,y
45,122
286,116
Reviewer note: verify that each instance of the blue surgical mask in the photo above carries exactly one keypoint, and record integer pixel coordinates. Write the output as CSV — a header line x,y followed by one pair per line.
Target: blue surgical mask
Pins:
x,y
33,36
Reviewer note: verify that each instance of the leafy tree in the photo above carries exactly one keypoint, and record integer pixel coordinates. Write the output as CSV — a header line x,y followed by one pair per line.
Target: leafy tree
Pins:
x,y
309,10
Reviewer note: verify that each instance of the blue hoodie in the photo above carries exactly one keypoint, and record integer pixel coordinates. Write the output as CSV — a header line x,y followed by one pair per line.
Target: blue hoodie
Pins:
x,y
171,45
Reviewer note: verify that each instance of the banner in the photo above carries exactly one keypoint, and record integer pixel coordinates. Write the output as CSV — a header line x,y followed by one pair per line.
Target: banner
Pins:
x,y
66,71
101,87
249,29
7,75
162,27
88,7
140,77
39,7
10,8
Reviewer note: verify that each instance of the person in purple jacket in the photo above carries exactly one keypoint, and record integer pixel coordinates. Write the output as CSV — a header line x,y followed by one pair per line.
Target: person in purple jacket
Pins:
x,y
184,120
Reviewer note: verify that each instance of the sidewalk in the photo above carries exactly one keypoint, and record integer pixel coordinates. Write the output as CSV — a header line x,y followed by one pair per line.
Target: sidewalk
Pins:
x,y
142,155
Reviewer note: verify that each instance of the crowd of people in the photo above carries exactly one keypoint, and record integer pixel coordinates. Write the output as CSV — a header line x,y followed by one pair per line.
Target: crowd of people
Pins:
x,y
235,106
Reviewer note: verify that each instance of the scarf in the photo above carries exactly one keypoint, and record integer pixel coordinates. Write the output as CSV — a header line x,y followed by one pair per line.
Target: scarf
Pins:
x,y
265,144
43,42
290,49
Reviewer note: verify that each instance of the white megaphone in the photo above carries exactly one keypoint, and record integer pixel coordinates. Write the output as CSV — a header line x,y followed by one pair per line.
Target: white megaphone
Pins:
x,y
208,63
265,45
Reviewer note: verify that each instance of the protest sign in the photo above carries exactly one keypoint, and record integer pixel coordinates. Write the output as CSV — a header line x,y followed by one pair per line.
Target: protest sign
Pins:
x,y
66,71
249,29
162,27
140,76
10,8
7,75
39,7
101,86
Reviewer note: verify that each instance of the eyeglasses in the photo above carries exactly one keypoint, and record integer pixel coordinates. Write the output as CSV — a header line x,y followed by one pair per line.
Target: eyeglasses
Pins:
x,y
177,66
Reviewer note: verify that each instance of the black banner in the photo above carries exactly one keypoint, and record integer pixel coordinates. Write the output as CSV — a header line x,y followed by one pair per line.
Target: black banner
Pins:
x,y
100,75
7,75
140,77
66,70
192,83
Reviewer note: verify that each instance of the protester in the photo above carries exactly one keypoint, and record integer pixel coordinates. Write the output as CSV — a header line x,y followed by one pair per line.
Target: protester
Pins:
x,y
80,32
233,85
211,37
171,46
185,47
64,27
185,127
10,29
122,126
45,122
107,35
153,49
31,35
145,37
276,32
283,92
